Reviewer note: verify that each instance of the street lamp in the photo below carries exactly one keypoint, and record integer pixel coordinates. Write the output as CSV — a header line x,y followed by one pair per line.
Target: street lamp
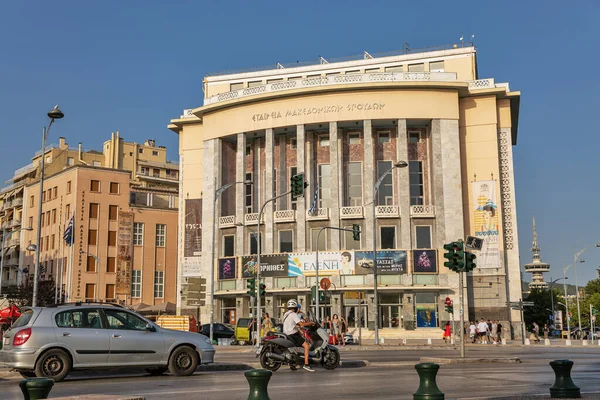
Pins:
x,y
552,282
399,164
565,269
576,256
4,236
97,294
218,192
53,114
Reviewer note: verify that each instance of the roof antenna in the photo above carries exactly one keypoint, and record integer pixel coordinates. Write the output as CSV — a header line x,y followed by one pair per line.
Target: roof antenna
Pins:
x,y
462,41
367,55
406,48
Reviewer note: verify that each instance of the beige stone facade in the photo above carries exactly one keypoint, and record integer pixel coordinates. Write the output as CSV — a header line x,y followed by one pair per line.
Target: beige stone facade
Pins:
x,y
343,124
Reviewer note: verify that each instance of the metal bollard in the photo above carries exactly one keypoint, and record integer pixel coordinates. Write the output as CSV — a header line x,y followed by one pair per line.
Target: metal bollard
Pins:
x,y
36,388
428,389
564,387
258,379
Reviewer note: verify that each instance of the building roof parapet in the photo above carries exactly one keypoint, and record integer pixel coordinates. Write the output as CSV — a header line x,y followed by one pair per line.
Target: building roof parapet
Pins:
x,y
168,164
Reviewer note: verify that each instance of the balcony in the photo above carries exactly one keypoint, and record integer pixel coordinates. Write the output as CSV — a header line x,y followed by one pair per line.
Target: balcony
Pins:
x,y
13,242
422,211
227,221
252,219
319,214
387,212
284,216
352,212
482,84
14,223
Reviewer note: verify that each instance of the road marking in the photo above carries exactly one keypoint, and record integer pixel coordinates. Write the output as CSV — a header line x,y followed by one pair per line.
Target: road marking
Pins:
x,y
233,389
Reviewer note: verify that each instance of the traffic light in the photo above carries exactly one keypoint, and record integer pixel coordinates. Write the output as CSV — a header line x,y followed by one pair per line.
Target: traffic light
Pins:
x,y
297,183
459,256
322,294
449,255
356,231
262,289
251,285
449,306
470,264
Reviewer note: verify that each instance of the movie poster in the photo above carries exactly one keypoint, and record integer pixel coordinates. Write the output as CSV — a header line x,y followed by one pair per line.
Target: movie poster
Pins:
x,y
330,263
486,223
124,244
389,262
192,250
271,265
426,316
227,268
424,261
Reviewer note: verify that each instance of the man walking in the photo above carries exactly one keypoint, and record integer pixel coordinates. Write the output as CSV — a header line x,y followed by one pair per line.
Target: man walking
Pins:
x,y
482,329
536,332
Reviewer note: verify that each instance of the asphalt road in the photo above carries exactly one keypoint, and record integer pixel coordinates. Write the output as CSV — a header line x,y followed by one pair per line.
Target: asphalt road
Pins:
x,y
390,376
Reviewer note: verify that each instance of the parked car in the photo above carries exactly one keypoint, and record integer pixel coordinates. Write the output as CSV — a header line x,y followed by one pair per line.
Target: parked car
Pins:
x,y
220,331
242,333
53,341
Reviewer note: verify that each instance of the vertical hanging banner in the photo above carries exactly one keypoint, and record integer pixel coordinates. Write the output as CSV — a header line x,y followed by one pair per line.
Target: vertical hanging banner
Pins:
x,y
486,225
192,251
124,244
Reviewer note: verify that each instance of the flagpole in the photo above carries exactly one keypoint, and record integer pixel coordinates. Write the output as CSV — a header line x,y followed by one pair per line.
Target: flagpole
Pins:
x,y
58,265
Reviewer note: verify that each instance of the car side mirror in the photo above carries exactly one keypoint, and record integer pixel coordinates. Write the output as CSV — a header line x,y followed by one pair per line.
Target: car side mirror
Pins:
x,y
150,327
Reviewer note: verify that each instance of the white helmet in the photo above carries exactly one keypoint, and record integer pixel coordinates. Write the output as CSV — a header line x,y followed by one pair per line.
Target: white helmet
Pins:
x,y
292,303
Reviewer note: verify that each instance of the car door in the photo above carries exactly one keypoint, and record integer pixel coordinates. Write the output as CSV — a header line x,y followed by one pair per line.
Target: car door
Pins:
x,y
130,342
82,331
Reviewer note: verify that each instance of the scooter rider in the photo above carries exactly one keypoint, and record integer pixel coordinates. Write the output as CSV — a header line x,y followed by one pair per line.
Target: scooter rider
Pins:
x,y
291,321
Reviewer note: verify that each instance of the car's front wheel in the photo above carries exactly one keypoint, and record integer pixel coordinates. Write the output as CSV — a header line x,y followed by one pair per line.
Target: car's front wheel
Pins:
x,y
183,361
54,364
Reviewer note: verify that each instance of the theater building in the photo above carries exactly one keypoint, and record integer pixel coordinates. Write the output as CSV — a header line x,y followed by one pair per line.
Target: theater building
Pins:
x,y
345,124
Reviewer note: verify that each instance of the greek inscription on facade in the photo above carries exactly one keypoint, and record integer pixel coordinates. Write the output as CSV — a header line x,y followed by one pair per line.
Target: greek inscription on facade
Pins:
x,y
317,110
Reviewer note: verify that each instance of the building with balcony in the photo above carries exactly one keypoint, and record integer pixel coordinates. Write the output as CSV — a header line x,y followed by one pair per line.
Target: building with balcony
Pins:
x,y
344,124
128,223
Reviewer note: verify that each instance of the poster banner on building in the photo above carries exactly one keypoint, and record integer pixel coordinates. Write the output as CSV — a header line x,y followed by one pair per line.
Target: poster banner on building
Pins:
x,y
389,262
270,265
124,244
424,261
227,268
426,317
486,225
330,263
192,242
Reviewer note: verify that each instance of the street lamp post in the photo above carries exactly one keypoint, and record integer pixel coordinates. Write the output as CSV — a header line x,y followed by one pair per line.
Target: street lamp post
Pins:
x,y
575,257
567,300
218,193
97,260
4,236
53,114
399,164
552,282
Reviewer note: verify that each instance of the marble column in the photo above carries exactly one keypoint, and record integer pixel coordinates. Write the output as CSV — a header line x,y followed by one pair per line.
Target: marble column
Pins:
x,y
334,165
368,182
300,244
282,177
268,212
240,192
403,187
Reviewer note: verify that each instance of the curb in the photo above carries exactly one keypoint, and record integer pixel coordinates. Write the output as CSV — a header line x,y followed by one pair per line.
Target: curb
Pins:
x,y
443,360
584,395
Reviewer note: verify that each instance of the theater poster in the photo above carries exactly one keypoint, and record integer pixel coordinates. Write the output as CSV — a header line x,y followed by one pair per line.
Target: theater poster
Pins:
x,y
192,247
330,263
486,223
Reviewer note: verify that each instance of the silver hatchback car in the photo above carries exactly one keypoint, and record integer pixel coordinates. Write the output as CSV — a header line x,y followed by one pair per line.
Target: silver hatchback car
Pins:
x,y
53,341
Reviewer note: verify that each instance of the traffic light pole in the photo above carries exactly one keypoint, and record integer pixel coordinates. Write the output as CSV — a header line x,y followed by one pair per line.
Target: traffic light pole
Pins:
x,y
317,267
462,315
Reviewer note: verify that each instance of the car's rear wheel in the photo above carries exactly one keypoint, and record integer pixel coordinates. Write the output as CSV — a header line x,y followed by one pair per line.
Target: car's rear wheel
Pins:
x,y
54,364
183,361
27,374
157,371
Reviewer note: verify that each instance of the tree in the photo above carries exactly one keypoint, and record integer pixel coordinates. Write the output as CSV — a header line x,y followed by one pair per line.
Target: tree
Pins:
x,y
22,295
542,306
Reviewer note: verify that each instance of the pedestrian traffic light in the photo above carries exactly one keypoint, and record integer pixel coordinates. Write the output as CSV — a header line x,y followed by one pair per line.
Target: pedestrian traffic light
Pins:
x,y
297,185
356,231
470,261
262,289
449,255
251,285
449,305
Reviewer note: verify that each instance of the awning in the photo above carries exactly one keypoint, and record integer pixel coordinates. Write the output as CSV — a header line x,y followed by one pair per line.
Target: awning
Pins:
x,y
139,306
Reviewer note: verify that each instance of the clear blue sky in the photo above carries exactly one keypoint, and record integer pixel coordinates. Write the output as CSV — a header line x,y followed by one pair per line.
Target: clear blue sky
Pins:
x,y
133,65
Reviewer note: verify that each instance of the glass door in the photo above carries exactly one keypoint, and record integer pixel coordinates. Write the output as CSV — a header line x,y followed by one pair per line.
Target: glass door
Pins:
x,y
390,316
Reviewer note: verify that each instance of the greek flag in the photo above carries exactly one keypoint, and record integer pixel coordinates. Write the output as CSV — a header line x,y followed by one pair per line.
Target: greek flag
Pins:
x,y
68,235
312,208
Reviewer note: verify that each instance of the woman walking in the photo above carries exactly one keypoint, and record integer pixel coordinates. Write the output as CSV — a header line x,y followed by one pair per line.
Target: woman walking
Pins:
x,y
344,330
335,328
447,332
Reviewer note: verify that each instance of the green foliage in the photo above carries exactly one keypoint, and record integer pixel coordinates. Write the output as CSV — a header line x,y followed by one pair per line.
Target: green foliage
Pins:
x,y
542,302
22,295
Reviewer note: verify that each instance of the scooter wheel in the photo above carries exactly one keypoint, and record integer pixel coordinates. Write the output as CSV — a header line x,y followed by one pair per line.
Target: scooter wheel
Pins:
x,y
268,363
331,360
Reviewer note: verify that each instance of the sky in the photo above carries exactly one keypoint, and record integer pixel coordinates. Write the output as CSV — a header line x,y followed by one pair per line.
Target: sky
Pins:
x,y
133,65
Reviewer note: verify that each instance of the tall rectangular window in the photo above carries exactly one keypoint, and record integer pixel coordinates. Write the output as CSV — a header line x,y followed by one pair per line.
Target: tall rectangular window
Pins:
x,y
161,230
114,188
90,291
92,237
423,236
385,196
136,283
285,241
159,283
55,192
324,180
54,216
110,291
138,234
94,209
52,240
48,218
111,264
415,169
354,184
31,222
91,264
248,193
349,242
253,243
383,137
68,187
228,246
388,237
95,186
31,201
112,238
322,239
68,211
113,212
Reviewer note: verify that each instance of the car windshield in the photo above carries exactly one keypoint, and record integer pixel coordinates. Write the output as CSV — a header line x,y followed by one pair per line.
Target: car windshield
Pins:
x,y
23,319
243,322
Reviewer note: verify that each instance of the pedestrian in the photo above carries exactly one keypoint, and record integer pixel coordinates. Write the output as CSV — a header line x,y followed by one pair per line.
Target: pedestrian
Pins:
x,y
344,330
335,328
447,333
472,331
500,331
252,330
536,332
488,332
327,324
546,331
494,333
267,325
482,330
